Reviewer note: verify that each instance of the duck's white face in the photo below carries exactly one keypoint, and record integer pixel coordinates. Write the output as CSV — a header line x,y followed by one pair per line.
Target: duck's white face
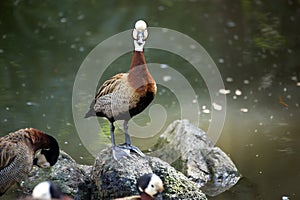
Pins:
x,y
140,34
42,191
41,160
140,25
155,186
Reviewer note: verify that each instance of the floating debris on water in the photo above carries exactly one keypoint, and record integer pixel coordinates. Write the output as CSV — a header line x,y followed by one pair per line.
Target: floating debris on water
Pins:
x,y
294,78
81,49
217,106
80,17
230,24
229,79
246,82
282,102
285,198
224,91
167,78
73,46
244,110
29,103
206,111
192,46
63,20
266,81
161,8
164,66
238,92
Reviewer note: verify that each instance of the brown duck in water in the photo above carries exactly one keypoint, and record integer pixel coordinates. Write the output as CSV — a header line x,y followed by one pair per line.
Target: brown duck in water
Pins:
x,y
150,187
126,94
22,149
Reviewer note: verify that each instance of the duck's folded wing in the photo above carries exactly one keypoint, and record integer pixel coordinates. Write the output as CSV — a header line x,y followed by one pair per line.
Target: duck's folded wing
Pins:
x,y
8,154
111,85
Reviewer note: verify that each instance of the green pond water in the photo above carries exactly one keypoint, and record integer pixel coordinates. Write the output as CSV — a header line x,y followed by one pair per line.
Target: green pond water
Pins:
x,y
254,44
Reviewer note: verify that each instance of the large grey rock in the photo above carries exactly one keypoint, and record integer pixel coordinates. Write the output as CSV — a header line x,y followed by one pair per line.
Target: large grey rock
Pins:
x,y
207,167
118,178
72,178
195,155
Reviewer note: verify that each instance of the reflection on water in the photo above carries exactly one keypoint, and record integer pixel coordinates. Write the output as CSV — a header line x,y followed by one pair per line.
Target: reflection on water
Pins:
x,y
255,45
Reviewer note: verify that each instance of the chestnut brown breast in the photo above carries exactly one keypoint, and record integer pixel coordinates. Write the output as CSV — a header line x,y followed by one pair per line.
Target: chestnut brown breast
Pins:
x,y
126,94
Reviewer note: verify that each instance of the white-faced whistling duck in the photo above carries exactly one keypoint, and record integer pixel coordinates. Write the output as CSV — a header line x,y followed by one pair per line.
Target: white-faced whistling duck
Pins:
x,y
47,190
22,149
150,187
126,94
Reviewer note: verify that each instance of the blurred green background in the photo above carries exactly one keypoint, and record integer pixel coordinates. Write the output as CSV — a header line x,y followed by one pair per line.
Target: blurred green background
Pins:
x,y
254,43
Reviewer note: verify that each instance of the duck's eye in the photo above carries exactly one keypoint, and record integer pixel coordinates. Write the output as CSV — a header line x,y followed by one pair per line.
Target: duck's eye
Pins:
x,y
152,185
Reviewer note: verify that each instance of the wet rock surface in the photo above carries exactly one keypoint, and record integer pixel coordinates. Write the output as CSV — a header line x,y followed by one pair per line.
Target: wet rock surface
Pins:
x,y
118,179
190,149
201,169
109,179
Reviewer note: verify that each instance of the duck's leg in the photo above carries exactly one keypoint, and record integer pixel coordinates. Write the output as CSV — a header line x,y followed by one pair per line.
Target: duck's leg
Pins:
x,y
112,134
117,151
127,144
127,136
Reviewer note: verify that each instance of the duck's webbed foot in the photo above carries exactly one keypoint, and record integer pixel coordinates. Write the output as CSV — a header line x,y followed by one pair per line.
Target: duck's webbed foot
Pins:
x,y
130,147
119,152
